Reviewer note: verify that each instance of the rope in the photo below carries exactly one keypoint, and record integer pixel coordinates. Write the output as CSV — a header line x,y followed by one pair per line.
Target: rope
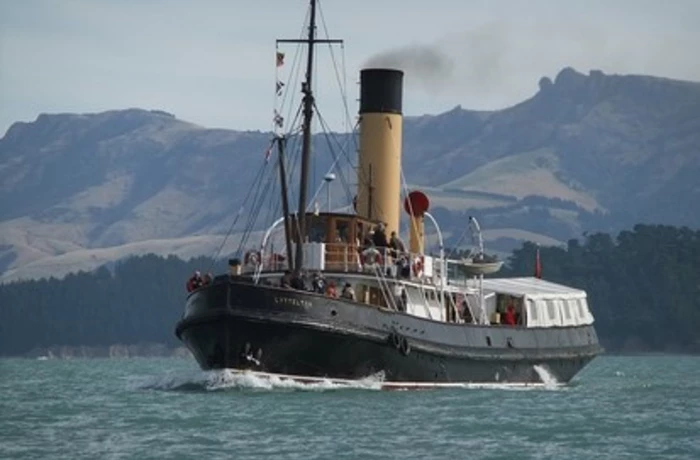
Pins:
x,y
257,205
343,87
258,176
336,158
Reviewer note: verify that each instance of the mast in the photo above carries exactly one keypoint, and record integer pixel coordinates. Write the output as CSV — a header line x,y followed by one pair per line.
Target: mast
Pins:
x,y
285,202
306,147
308,114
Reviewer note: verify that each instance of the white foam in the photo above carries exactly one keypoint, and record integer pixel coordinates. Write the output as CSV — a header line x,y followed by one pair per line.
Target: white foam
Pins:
x,y
548,379
232,379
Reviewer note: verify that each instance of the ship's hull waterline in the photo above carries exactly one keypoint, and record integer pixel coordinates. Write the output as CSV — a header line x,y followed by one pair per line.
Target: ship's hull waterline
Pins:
x,y
234,324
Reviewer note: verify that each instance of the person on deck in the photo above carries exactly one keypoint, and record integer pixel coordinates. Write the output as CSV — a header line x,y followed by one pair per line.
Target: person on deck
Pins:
x,y
367,242
379,237
330,290
396,245
195,282
465,312
401,297
286,281
348,292
298,282
318,284
509,317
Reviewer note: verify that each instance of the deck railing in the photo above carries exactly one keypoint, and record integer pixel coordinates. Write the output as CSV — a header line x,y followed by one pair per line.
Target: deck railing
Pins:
x,y
345,257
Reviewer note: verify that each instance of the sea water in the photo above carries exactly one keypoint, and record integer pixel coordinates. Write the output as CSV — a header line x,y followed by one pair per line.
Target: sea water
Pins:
x,y
632,407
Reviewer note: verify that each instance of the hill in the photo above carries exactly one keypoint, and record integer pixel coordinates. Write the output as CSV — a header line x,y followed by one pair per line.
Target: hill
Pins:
x,y
585,153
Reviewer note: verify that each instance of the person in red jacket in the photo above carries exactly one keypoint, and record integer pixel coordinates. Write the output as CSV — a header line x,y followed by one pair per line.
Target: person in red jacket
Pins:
x,y
509,316
194,282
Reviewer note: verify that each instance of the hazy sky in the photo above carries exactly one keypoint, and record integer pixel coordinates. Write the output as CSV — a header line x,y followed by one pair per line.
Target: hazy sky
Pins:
x,y
212,61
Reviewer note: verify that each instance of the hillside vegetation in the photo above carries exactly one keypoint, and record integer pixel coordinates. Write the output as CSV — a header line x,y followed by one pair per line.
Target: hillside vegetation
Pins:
x,y
589,152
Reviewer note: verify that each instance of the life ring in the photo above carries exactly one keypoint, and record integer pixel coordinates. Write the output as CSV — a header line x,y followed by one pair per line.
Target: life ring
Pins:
x,y
404,346
252,258
371,257
418,266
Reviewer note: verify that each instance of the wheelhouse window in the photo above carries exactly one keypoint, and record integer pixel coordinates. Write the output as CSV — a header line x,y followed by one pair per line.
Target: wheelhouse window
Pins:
x,y
342,230
362,232
317,229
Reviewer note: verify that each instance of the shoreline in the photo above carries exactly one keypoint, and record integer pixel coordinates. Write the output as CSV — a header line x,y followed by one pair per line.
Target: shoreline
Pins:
x,y
142,350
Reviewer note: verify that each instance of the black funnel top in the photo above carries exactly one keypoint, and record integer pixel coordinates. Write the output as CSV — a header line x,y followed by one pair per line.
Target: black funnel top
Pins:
x,y
381,91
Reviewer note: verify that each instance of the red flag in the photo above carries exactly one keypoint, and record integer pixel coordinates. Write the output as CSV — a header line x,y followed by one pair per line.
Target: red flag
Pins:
x,y
280,59
538,264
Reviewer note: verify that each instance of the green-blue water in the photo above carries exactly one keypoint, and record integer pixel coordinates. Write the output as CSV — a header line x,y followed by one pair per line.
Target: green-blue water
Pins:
x,y
619,407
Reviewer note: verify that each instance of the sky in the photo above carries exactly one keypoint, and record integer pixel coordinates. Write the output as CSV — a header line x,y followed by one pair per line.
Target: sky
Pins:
x,y
212,62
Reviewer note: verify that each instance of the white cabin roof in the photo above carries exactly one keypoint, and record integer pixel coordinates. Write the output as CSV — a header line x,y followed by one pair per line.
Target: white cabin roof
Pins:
x,y
534,288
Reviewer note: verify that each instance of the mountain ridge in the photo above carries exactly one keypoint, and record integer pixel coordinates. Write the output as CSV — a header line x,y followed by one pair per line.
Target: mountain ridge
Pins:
x,y
586,152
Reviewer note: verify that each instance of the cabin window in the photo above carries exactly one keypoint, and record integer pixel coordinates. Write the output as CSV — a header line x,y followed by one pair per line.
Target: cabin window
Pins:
x,y
581,310
359,234
342,231
533,310
567,313
317,229
551,310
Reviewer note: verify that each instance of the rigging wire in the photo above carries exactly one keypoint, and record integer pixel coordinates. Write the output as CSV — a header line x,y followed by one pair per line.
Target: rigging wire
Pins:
x,y
328,136
294,71
257,205
343,87
260,191
257,183
258,176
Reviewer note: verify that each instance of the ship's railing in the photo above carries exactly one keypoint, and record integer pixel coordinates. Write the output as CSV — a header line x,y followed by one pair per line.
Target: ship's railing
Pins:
x,y
346,257
342,257
351,258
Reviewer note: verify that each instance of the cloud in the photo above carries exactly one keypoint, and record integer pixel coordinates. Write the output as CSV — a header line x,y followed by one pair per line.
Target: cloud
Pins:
x,y
213,63
499,61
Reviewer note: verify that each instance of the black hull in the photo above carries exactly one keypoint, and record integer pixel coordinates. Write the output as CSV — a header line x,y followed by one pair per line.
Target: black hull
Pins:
x,y
305,334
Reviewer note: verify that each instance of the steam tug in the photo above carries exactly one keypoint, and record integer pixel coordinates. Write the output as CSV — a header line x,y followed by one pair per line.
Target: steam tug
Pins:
x,y
340,304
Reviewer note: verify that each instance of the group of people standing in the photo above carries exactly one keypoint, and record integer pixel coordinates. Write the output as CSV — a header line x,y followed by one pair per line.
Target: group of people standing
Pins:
x,y
378,239
318,285
392,248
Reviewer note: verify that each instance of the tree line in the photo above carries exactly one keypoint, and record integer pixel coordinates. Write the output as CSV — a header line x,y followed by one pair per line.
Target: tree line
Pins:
x,y
643,288
137,301
643,285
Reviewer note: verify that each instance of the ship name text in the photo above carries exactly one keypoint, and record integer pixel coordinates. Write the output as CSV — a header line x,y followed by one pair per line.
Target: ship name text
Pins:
x,y
293,301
